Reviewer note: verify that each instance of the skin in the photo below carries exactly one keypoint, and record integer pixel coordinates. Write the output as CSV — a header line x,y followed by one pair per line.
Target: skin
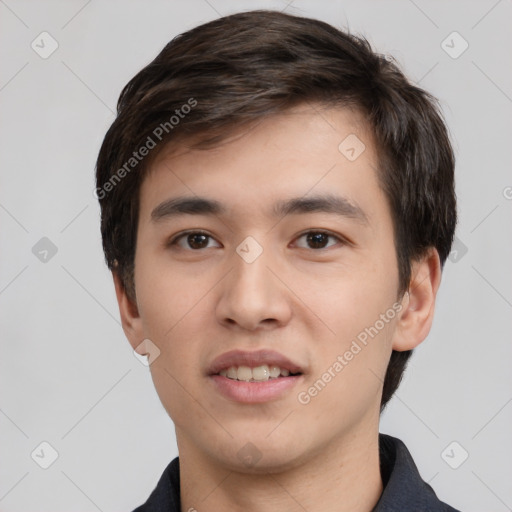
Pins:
x,y
308,303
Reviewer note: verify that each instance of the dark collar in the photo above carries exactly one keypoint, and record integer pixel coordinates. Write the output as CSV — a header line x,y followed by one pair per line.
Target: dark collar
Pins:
x,y
404,490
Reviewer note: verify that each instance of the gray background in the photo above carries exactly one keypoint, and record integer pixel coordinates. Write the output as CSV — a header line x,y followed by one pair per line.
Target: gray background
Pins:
x,y
68,375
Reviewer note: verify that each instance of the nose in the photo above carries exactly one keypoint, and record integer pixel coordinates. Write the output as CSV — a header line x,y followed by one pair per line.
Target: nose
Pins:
x,y
254,295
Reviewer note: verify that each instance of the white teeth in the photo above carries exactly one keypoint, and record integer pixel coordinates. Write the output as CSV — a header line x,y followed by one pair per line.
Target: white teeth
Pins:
x,y
275,371
261,372
244,373
258,374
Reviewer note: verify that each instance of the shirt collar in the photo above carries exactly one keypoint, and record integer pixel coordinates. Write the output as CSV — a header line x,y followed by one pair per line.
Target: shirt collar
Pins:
x,y
404,489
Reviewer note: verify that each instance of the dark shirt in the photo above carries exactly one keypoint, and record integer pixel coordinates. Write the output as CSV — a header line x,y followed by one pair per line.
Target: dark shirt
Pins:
x,y
404,490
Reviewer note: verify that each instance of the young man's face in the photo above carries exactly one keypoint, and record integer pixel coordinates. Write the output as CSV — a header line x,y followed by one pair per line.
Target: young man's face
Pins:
x,y
305,297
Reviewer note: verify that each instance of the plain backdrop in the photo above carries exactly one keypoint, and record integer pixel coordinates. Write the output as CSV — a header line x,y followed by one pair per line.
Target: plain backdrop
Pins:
x,y
68,375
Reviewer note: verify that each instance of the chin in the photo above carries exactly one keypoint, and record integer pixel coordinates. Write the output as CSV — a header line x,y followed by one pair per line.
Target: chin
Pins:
x,y
274,464
259,455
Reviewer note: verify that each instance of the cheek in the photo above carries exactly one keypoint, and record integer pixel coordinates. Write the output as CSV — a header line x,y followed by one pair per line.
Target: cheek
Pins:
x,y
177,373
348,381
351,361
165,296
352,303
173,317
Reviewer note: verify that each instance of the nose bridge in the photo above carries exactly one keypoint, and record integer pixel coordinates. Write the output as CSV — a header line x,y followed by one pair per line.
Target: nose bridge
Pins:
x,y
252,293
250,260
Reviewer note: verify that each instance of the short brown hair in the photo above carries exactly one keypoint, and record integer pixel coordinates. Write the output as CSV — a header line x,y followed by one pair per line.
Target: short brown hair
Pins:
x,y
239,69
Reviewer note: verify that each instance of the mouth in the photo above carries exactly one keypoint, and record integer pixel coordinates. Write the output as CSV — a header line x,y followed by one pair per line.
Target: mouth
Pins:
x,y
254,377
255,366
260,373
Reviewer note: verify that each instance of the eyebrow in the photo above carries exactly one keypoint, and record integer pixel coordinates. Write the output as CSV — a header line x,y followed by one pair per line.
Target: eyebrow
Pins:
x,y
325,203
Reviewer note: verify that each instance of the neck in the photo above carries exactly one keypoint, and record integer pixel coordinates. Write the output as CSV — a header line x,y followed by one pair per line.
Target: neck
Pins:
x,y
343,476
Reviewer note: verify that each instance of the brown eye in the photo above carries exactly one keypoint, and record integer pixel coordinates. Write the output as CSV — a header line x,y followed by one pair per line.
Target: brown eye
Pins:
x,y
195,240
318,239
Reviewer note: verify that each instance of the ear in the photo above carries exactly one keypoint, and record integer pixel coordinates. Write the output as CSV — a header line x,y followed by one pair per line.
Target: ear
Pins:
x,y
130,318
418,303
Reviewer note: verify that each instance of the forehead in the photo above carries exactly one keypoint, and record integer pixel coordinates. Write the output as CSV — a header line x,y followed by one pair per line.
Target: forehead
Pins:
x,y
306,119
306,151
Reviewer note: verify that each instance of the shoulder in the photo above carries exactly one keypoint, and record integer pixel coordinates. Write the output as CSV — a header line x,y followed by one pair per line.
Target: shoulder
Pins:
x,y
165,497
404,489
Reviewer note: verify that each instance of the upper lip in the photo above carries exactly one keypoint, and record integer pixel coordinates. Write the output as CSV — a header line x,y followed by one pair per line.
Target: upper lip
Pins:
x,y
252,359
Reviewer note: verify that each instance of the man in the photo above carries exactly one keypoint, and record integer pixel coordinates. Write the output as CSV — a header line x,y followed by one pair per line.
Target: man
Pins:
x,y
277,205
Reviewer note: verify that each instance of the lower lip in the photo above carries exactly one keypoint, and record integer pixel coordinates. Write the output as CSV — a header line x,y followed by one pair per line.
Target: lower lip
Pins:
x,y
254,392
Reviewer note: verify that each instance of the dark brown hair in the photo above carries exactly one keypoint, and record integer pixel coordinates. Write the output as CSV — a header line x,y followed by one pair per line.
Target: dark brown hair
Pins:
x,y
210,82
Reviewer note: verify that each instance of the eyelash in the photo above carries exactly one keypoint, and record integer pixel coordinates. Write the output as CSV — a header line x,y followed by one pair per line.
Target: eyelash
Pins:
x,y
173,241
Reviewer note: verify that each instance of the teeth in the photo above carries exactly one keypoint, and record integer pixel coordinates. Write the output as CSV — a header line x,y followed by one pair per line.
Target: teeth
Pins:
x,y
275,371
257,374
244,373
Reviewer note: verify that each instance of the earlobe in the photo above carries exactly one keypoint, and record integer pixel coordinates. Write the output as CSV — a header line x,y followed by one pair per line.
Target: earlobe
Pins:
x,y
418,303
128,310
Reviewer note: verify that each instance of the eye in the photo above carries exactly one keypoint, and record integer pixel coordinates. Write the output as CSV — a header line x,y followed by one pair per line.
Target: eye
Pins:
x,y
195,240
318,238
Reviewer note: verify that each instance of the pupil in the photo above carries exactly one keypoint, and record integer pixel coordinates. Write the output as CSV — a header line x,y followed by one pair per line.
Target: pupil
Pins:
x,y
315,239
194,238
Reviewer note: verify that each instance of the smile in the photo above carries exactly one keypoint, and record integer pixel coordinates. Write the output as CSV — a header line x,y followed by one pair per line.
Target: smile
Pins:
x,y
257,374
